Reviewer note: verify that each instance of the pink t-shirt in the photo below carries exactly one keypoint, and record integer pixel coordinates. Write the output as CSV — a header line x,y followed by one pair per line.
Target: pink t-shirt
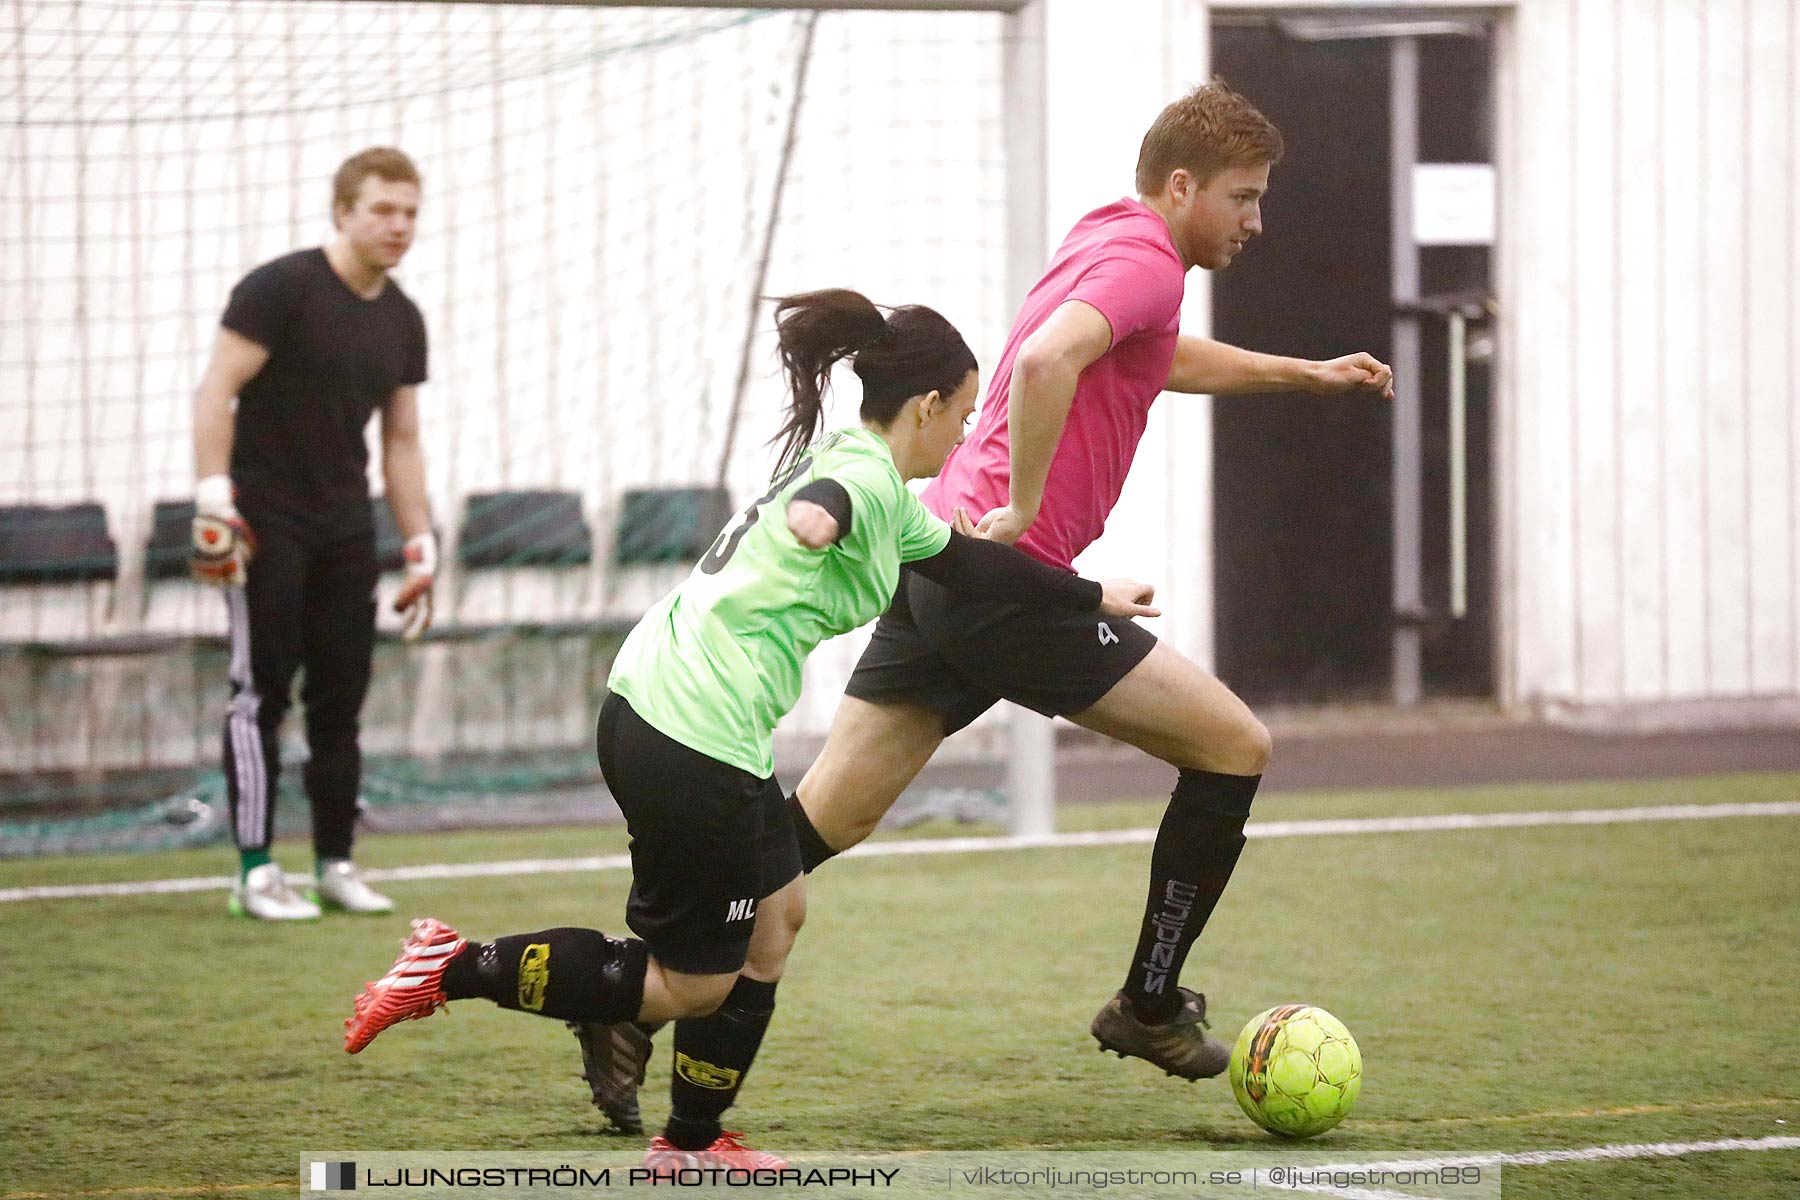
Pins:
x,y
1121,260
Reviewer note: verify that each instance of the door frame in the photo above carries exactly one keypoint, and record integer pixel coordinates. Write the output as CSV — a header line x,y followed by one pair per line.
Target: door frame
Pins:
x,y
1503,436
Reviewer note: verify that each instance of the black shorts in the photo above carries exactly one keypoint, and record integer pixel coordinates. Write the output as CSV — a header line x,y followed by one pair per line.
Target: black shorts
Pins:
x,y
956,656
708,841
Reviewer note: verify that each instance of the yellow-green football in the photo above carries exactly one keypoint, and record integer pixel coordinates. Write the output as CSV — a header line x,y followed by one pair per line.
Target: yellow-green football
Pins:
x,y
1296,1070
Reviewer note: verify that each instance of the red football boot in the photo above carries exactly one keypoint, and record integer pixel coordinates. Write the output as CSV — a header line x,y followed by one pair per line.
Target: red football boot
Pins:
x,y
727,1152
412,988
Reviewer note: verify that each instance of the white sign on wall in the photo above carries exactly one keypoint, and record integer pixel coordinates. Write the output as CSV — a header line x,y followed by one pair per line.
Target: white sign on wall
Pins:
x,y
1453,204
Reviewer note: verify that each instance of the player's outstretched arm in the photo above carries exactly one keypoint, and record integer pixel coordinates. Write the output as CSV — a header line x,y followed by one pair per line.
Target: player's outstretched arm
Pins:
x,y
991,570
1203,366
1127,598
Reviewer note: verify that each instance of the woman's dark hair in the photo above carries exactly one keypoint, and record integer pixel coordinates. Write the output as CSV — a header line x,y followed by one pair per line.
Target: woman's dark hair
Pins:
x,y
911,351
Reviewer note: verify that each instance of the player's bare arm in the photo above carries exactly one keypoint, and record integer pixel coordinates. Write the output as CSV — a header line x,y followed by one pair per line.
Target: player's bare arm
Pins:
x,y
1203,366
403,467
403,463
235,361
819,514
1049,365
223,541
816,526
812,526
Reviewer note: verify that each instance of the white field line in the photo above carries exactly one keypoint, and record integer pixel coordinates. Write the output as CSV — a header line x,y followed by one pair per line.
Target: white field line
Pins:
x,y
1538,1158
1447,822
1516,1158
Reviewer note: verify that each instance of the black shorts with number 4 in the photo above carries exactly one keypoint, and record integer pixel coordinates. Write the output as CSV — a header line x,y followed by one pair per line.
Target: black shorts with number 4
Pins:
x,y
956,656
708,843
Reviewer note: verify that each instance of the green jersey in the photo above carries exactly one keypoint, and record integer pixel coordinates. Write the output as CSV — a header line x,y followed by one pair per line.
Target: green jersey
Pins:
x,y
716,663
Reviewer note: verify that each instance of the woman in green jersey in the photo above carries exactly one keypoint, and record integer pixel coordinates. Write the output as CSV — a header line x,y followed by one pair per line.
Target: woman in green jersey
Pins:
x,y
685,733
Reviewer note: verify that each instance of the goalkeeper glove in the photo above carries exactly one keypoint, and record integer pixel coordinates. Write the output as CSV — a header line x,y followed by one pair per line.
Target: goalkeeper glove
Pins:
x,y
223,543
414,599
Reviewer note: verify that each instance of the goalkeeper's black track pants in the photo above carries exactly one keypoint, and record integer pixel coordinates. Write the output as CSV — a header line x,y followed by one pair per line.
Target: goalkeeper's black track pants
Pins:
x,y
308,605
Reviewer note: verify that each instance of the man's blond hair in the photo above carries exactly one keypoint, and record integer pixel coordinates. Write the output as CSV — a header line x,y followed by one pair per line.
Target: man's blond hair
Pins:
x,y
1205,131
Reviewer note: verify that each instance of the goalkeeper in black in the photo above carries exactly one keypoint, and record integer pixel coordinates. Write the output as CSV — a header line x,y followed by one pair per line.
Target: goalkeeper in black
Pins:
x,y
311,345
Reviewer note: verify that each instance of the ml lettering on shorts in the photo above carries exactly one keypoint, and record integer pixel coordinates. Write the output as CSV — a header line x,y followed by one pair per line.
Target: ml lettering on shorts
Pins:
x,y
1178,906
740,910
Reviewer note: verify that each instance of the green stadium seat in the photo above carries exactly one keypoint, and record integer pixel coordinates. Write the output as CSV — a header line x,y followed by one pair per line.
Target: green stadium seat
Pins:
x,y
524,529
59,562
41,543
171,539
669,525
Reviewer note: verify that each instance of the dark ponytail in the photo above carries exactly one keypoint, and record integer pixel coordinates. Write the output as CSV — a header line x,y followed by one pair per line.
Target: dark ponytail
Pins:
x,y
814,330
909,353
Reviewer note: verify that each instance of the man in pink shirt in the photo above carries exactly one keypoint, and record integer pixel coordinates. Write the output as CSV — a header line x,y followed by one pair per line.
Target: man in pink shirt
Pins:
x,y
1096,342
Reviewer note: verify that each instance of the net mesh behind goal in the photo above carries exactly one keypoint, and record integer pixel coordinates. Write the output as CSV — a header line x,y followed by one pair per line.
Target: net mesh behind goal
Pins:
x,y
599,193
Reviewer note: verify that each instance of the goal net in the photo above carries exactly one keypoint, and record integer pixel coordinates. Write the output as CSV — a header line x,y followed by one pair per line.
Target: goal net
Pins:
x,y
607,190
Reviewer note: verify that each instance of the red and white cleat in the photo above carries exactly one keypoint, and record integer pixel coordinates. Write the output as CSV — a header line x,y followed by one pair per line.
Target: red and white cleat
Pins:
x,y
413,987
726,1153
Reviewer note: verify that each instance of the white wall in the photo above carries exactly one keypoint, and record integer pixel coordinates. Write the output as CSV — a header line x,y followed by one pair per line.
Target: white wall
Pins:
x,y
1651,412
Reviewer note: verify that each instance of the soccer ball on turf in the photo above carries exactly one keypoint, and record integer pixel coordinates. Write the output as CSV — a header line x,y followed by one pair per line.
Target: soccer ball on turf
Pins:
x,y
1296,1070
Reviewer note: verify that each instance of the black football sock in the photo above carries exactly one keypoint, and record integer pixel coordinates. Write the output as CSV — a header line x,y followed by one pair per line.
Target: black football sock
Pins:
x,y
569,974
712,1056
813,849
1197,845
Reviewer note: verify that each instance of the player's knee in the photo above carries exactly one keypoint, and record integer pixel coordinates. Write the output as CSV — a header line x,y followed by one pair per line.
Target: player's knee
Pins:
x,y
775,936
1241,749
1256,746
696,995
790,917
852,829
837,825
